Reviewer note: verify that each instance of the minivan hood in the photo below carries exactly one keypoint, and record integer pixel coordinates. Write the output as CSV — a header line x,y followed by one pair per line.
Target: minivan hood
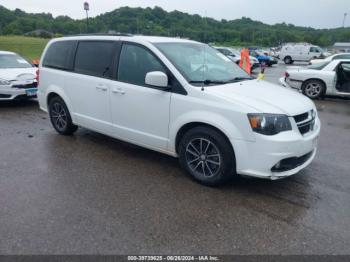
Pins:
x,y
16,73
264,97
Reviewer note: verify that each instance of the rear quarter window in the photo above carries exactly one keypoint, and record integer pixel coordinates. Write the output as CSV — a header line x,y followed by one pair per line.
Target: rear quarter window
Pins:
x,y
95,58
60,55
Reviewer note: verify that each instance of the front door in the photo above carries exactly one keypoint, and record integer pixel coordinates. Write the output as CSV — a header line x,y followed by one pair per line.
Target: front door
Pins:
x,y
343,78
140,113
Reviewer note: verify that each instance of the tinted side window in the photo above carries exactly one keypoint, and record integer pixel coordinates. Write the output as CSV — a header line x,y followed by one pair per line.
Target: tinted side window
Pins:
x,y
94,58
346,67
314,50
135,62
60,55
341,57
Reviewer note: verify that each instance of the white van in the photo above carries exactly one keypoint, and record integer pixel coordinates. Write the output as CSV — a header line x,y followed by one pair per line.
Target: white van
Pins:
x,y
181,98
300,52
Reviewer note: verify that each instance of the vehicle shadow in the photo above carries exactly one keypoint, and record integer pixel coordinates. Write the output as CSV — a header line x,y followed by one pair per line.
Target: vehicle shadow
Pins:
x,y
108,163
19,103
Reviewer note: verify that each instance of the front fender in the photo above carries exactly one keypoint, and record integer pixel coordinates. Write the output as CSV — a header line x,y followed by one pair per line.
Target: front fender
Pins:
x,y
225,125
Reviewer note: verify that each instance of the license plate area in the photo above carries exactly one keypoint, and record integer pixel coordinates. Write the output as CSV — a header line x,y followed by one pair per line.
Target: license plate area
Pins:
x,y
31,91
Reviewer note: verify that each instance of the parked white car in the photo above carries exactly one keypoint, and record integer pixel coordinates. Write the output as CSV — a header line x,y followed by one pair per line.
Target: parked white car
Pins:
x,y
315,81
17,77
331,57
181,98
300,52
235,56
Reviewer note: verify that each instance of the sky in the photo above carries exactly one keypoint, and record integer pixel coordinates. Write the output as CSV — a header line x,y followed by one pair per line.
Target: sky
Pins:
x,y
313,13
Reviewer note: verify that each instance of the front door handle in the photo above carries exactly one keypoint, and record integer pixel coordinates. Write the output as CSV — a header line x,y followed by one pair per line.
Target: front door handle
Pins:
x,y
101,87
118,91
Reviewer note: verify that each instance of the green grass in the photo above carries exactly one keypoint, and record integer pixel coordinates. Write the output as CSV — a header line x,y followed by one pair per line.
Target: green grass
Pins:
x,y
28,47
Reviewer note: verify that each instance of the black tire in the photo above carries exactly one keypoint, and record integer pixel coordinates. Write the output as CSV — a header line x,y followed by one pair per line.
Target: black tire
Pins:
x,y
209,164
60,117
314,88
288,60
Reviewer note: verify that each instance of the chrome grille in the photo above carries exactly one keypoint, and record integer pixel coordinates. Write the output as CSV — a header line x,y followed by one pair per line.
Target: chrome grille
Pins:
x,y
305,122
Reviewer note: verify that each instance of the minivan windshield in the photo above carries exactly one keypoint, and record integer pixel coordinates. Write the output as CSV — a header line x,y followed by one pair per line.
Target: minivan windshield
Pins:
x,y
13,61
201,64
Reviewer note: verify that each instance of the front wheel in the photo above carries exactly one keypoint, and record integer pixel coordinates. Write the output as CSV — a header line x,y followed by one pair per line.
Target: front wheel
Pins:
x,y
60,117
207,156
314,89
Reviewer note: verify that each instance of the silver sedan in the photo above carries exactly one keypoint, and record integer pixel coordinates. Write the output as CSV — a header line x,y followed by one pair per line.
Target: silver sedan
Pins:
x,y
317,80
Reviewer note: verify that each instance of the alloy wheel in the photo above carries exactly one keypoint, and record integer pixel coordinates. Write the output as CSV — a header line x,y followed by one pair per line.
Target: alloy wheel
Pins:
x,y
59,116
203,157
313,89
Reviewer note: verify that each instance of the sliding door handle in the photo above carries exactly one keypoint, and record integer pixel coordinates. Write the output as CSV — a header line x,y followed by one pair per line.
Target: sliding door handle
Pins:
x,y
118,91
101,87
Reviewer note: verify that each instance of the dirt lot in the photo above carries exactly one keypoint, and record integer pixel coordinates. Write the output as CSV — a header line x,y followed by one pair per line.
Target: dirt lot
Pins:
x,y
90,194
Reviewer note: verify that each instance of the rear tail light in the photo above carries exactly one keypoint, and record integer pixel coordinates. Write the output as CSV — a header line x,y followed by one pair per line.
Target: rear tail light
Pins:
x,y
286,75
37,77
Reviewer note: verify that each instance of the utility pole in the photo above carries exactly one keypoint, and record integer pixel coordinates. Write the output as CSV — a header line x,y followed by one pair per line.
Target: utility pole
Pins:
x,y
87,8
206,27
345,14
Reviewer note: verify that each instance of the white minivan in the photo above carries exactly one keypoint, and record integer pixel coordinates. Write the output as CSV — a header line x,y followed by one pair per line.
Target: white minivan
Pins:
x,y
300,52
181,98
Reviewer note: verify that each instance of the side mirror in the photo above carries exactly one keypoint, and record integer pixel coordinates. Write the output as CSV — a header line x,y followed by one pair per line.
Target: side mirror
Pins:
x,y
157,79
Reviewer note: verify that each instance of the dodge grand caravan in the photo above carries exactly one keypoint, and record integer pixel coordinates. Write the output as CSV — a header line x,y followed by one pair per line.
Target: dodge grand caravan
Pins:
x,y
181,98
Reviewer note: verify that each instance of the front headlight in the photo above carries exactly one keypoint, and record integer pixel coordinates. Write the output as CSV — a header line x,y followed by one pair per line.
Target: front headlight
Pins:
x,y
4,82
269,124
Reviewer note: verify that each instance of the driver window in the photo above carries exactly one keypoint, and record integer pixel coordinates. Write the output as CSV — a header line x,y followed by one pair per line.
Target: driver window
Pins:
x,y
314,50
135,62
346,67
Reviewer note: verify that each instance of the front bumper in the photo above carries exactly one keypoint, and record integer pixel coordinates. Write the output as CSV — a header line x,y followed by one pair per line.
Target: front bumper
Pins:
x,y
11,93
259,158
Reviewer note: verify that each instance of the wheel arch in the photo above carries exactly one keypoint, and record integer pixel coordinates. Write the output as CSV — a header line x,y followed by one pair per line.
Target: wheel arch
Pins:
x,y
186,127
57,92
317,79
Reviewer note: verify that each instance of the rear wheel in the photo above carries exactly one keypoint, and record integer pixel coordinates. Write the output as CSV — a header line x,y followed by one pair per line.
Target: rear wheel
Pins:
x,y
314,88
60,117
207,156
288,60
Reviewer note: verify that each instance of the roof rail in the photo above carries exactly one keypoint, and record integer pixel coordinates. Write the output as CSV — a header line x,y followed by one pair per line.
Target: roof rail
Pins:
x,y
101,34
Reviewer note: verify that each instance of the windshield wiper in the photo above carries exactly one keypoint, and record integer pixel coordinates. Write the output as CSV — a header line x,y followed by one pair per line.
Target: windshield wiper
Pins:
x,y
208,82
220,82
237,79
